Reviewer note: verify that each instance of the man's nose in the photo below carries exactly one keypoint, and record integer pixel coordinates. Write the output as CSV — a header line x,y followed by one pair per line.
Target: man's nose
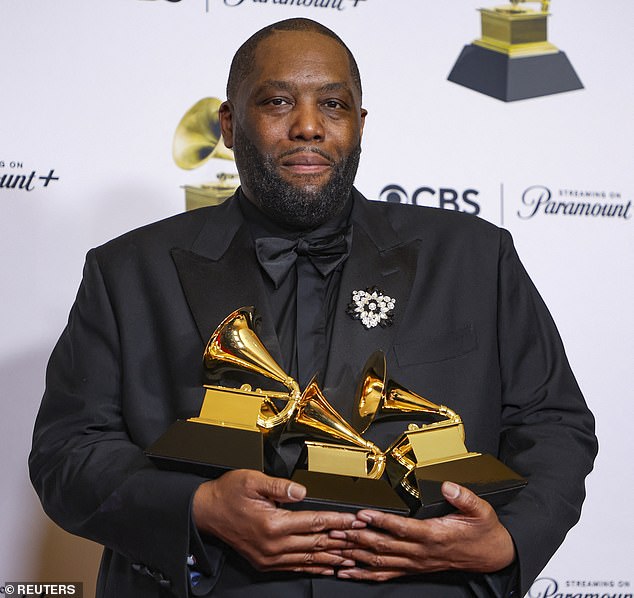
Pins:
x,y
307,123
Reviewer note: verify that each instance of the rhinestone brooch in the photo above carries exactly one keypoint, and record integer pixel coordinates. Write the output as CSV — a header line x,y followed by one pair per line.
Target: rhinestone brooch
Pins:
x,y
372,307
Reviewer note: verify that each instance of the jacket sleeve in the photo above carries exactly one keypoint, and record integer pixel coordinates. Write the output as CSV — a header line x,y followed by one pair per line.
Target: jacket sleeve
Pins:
x,y
547,429
92,479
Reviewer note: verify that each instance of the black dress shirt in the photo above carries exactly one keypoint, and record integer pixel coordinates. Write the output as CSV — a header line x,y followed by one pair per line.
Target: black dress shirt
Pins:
x,y
303,300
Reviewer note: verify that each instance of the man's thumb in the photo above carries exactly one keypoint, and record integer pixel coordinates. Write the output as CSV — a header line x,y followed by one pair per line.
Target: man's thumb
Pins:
x,y
283,491
462,498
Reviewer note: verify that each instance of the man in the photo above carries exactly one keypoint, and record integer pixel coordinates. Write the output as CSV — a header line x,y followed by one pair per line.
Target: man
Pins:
x,y
468,330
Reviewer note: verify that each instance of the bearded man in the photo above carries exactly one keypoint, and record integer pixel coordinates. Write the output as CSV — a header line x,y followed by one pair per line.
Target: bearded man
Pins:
x,y
297,241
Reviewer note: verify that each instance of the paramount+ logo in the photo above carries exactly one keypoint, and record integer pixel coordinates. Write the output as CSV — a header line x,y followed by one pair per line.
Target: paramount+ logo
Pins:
x,y
539,200
336,4
448,198
547,587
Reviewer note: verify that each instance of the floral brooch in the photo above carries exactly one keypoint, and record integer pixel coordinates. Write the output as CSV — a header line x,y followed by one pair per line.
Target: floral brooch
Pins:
x,y
372,307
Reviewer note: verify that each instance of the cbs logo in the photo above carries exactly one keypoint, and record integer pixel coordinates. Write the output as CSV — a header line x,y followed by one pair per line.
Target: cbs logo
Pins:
x,y
443,197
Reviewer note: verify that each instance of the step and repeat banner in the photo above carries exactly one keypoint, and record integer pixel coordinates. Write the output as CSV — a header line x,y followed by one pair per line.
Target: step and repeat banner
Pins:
x,y
520,116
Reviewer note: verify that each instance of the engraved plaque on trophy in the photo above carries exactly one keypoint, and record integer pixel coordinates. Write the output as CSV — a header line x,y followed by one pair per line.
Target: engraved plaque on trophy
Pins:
x,y
513,59
344,470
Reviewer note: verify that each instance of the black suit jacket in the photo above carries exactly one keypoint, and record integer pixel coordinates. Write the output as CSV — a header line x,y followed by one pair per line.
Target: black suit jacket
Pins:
x,y
470,331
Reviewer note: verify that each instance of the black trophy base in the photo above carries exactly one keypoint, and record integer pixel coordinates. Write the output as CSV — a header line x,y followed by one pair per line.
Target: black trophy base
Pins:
x,y
207,450
485,475
331,492
509,79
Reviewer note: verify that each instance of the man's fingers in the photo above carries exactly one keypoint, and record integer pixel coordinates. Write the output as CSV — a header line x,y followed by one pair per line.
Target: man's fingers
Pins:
x,y
397,525
473,539
465,501
374,547
360,574
279,489
303,561
309,523
310,544
308,560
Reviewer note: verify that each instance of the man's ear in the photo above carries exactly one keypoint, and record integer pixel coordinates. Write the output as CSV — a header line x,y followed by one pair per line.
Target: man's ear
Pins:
x,y
225,115
364,113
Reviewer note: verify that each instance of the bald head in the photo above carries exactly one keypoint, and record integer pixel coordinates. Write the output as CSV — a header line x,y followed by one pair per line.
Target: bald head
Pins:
x,y
294,120
244,59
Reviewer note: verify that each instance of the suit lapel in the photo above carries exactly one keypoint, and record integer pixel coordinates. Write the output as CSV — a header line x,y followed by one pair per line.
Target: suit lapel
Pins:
x,y
219,273
378,258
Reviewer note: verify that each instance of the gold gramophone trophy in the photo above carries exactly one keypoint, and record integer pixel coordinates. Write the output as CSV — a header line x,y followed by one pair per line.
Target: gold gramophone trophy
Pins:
x,y
425,455
233,423
344,470
198,139
513,59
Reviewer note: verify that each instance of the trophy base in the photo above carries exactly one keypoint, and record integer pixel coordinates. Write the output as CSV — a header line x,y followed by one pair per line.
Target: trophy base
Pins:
x,y
331,492
513,78
484,475
207,450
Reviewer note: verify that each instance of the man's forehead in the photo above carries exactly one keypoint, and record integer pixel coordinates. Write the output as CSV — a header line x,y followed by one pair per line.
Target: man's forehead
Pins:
x,y
300,49
286,57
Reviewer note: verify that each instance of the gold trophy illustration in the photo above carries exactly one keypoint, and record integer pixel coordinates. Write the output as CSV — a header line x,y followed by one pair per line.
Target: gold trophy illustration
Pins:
x,y
513,59
198,139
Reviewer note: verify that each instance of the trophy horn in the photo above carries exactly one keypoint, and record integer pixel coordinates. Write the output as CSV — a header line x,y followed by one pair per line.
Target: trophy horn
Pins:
x,y
235,346
378,397
319,420
198,137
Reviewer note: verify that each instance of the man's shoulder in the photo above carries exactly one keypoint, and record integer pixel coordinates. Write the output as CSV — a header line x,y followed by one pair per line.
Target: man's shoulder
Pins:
x,y
178,230
413,221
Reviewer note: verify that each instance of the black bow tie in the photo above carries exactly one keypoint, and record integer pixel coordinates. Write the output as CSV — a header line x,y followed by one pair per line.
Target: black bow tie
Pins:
x,y
277,255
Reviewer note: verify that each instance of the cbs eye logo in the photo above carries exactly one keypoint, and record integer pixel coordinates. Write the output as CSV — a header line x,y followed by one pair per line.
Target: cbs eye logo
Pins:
x,y
443,197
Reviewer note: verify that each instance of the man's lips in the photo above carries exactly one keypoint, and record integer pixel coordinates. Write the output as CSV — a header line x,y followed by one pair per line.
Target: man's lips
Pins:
x,y
306,162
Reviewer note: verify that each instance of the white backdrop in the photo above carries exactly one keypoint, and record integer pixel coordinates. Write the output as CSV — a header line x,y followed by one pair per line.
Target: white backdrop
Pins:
x,y
92,91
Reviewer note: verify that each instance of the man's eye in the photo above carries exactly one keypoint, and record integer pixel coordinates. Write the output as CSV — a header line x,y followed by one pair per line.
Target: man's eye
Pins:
x,y
333,104
278,102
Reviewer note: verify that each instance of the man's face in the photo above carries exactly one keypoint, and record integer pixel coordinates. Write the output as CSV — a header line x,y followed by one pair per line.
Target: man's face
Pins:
x,y
295,126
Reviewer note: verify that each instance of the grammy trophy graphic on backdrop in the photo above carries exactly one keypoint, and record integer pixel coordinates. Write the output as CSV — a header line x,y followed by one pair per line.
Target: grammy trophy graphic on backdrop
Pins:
x,y
197,139
513,60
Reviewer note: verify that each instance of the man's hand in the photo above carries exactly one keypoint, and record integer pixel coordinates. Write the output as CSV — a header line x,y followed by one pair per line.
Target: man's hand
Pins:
x,y
473,539
241,509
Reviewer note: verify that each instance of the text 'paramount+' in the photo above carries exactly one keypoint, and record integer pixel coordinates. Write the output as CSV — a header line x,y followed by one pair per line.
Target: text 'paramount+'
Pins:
x,y
547,587
538,199
335,4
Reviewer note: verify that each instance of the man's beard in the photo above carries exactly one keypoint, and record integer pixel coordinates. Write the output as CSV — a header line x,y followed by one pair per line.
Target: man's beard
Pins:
x,y
295,207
